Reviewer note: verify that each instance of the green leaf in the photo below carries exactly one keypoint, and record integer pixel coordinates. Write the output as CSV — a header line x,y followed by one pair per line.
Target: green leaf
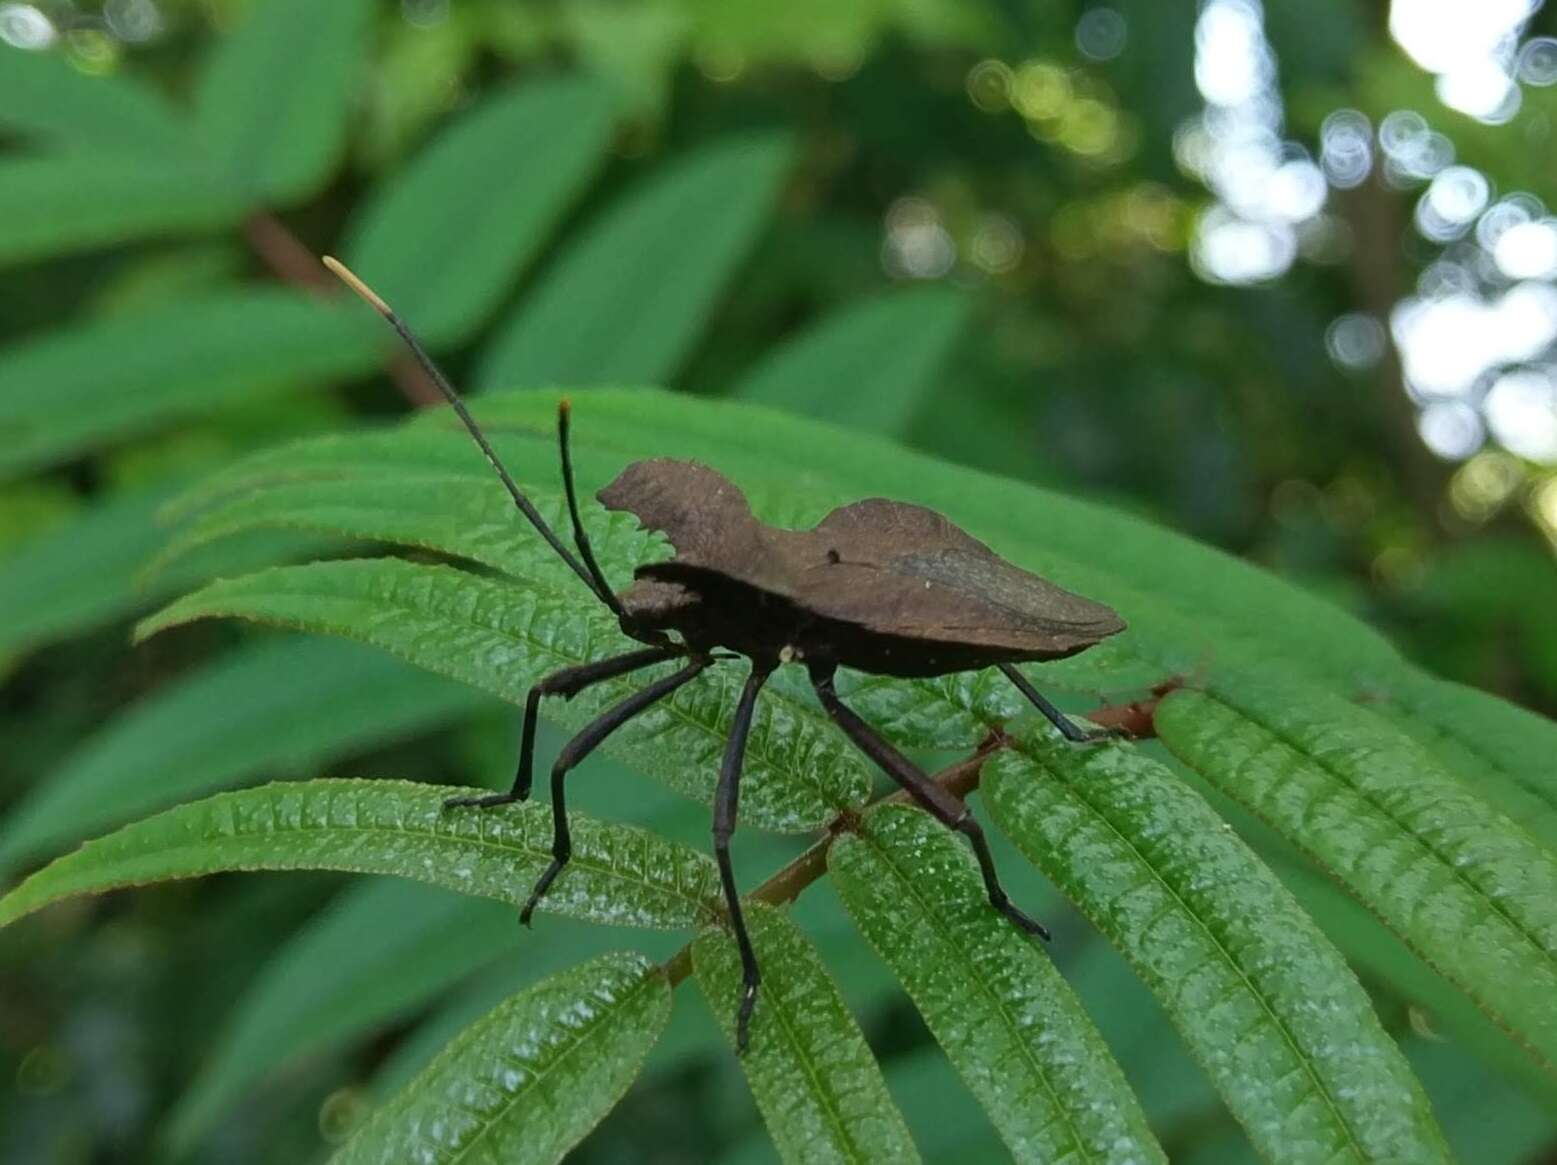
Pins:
x,y
1185,601
1503,751
564,944
87,570
324,991
502,637
1265,1003
1377,954
869,366
273,101
83,386
44,96
1005,1016
625,303
428,487
815,1080
469,516
375,954
276,708
527,1081
1467,888
618,874
447,237
1380,956
62,204
1191,609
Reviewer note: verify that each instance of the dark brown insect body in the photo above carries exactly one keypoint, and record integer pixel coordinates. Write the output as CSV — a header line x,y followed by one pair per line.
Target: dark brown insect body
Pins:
x,y
882,587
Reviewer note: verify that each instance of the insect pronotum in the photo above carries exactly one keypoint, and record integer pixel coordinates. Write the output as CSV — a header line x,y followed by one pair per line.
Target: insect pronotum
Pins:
x,y
879,586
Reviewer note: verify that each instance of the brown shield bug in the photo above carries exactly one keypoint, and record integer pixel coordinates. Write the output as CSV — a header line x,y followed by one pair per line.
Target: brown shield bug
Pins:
x,y
883,587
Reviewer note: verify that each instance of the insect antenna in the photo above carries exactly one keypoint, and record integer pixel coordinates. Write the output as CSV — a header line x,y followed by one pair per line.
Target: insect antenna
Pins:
x,y
580,537
592,578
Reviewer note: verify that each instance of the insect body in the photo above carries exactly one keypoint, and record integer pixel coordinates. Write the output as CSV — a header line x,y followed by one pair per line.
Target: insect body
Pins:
x,y
882,587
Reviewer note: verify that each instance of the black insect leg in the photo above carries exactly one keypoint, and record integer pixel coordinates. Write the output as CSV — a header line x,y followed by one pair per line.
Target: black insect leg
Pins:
x,y
726,799
944,807
567,683
1052,714
580,747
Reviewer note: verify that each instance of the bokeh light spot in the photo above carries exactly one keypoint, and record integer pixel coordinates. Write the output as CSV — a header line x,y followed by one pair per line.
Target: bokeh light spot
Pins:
x,y
917,245
1101,33
997,244
1451,429
1040,91
989,86
1528,250
1521,411
25,26
1355,341
1538,61
1346,148
1481,486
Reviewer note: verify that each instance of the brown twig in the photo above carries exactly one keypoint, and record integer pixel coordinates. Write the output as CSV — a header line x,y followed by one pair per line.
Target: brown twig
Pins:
x,y
292,262
1135,719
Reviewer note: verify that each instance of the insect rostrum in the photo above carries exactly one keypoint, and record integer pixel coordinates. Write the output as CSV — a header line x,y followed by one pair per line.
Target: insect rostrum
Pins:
x,y
879,586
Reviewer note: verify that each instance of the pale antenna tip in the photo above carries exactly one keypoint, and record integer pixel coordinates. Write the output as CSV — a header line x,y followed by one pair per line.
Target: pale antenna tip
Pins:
x,y
565,406
347,276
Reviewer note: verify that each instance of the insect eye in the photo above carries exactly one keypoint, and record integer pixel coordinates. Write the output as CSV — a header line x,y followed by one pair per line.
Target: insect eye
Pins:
x,y
834,557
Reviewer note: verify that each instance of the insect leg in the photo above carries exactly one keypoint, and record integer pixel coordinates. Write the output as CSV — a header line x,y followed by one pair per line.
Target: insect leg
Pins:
x,y
726,799
580,747
567,683
940,804
1052,714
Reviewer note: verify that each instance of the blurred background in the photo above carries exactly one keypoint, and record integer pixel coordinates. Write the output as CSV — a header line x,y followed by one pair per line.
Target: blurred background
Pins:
x,y
1282,277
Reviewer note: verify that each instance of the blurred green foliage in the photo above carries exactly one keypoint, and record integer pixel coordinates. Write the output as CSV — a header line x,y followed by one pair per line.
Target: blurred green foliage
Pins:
x,y
942,203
